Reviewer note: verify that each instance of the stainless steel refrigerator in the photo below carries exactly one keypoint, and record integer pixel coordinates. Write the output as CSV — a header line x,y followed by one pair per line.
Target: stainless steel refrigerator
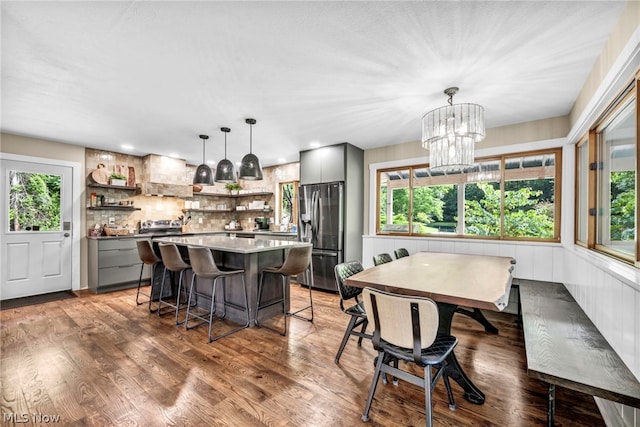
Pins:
x,y
321,222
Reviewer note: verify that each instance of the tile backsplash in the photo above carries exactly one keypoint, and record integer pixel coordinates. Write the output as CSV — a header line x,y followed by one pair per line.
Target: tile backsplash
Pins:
x,y
155,168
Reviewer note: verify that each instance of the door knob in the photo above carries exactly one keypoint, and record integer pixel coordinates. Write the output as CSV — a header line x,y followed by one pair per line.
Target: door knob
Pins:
x,y
67,234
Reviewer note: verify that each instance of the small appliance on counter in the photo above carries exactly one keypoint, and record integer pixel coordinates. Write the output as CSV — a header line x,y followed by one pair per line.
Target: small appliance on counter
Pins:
x,y
234,226
160,226
262,223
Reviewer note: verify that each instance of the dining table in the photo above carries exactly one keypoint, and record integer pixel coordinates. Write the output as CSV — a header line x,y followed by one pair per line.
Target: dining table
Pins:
x,y
453,281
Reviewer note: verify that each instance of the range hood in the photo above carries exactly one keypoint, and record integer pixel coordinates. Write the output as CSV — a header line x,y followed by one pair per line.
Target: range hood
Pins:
x,y
164,176
160,189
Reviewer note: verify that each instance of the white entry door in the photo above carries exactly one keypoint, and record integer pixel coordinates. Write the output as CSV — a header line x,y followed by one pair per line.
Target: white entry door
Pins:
x,y
35,219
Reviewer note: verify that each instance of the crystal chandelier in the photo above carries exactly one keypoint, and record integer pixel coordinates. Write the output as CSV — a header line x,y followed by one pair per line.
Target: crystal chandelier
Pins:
x,y
450,134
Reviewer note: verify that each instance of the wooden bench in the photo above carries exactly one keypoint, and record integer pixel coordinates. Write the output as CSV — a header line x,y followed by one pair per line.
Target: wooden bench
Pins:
x,y
564,348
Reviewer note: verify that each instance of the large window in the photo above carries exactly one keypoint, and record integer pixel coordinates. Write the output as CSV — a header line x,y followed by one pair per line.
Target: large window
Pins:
x,y
606,182
616,222
289,202
510,197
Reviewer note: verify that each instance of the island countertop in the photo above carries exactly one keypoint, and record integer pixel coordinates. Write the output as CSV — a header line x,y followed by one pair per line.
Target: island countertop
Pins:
x,y
242,233
232,244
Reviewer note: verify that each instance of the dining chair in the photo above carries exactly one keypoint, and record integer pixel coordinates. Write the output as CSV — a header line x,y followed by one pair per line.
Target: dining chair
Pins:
x,y
204,267
401,253
298,261
174,263
406,328
351,295
148,257
382,259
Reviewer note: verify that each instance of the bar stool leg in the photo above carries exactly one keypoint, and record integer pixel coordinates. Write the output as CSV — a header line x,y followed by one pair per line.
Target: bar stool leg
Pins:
x,y
186,319
139,284
308,273
246,309
212,309
284,307
179,298
259,307
153,284
255,320
160,302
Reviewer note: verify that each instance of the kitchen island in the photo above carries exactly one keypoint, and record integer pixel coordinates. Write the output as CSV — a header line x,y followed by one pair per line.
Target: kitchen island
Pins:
x,y
249,254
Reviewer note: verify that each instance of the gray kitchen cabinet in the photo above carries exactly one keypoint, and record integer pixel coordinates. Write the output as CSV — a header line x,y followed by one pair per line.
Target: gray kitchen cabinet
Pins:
x,y
310,167
114,264
325,164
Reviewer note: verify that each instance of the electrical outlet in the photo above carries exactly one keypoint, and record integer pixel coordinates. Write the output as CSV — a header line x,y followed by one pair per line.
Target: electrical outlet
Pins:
x,y
199,220
112,221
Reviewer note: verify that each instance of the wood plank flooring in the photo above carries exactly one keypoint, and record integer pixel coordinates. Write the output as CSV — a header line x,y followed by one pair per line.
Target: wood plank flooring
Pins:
x,y
100,360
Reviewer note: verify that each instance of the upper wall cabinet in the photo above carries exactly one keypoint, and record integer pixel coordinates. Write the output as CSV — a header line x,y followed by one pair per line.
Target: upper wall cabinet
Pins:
x,y
326,164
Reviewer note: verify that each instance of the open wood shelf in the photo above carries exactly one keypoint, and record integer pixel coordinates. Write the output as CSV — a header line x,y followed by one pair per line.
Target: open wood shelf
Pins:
x,y
233,195
226,210
115,187
114,207
208,210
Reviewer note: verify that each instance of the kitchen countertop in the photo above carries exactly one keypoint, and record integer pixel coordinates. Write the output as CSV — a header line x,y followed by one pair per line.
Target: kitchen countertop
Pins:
x,y
232,244
196,233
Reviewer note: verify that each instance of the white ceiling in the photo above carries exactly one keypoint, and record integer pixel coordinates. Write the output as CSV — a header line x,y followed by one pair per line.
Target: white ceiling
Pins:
x,y
156,74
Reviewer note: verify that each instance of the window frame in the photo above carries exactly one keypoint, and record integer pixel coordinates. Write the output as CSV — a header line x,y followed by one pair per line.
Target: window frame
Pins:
x,y
557,151
294,207
626,97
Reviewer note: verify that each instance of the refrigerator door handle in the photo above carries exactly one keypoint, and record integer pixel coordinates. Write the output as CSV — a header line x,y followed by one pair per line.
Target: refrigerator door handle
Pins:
x,y
319,220
314,215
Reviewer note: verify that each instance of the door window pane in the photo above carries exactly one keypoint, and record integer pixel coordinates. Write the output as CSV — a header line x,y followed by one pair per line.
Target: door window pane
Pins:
x,y
616,178
34,202
393,216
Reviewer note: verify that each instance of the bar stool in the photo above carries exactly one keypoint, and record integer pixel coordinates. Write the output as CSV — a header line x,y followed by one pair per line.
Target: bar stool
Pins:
x,y
298,261
173,262
204,267
148,257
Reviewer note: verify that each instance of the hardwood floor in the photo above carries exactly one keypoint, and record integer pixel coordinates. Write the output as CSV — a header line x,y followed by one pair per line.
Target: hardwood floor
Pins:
x,y
101,360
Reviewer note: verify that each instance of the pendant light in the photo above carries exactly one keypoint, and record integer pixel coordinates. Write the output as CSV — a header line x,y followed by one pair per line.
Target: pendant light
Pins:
x,y
250,168
203,173
224,170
